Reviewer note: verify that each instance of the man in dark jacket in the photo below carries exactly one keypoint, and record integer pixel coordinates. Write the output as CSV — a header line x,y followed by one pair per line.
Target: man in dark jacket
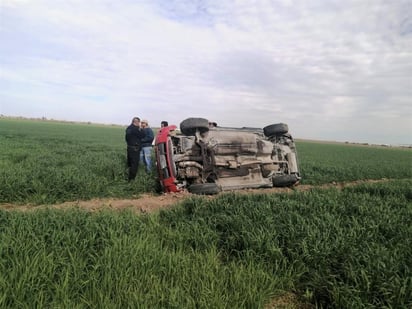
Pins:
x,y
147,140
134,135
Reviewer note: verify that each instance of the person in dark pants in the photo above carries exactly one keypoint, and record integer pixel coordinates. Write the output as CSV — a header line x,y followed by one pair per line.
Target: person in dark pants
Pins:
x,y
134,135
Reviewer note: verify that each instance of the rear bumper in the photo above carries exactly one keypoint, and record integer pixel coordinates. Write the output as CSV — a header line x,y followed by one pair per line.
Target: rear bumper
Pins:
x,y
164,159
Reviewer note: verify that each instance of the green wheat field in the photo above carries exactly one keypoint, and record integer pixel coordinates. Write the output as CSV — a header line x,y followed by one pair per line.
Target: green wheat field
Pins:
x,y
330,247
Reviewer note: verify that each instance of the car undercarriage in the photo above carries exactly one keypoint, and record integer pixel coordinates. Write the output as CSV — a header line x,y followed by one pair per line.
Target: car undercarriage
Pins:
x,y
207,160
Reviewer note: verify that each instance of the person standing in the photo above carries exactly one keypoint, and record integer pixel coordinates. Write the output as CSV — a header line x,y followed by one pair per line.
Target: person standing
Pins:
x,y
147,140
133,137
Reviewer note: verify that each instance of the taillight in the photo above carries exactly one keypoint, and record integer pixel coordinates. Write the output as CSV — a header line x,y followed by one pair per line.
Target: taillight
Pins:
x,y
161,150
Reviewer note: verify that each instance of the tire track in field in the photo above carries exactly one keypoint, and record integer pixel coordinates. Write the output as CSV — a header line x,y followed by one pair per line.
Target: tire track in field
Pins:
x,y
147,203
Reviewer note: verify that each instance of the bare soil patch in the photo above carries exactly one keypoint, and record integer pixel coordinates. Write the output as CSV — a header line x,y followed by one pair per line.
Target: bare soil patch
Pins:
x,y
148,203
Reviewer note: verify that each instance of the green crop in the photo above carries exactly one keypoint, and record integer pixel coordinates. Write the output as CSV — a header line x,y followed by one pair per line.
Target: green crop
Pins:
x,y
326,248
46,162
327,162
331,248
49,162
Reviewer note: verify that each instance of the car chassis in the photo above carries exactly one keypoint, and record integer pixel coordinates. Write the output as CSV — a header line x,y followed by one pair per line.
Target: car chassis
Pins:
x,y
207,160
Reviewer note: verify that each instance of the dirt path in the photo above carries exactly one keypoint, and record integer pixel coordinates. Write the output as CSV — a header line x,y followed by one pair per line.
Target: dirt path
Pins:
x,y
147,203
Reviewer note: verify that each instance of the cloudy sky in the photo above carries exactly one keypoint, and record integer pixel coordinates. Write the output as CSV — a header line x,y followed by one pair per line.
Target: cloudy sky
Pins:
x,y
331,69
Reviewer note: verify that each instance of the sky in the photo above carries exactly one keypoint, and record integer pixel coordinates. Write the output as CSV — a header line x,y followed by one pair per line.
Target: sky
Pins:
x,y
331,69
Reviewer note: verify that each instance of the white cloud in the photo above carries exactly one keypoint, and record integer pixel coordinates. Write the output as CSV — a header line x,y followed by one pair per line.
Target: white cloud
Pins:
x,y
309,63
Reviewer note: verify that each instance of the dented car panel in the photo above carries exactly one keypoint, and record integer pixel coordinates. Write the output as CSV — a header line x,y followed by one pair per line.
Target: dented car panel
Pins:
x,y
208,160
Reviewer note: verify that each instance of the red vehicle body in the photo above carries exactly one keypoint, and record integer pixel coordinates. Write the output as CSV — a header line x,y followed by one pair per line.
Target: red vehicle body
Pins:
x,y
164,159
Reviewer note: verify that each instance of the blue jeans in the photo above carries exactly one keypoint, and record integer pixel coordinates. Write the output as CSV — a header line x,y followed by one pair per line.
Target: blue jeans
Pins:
x,y
146,158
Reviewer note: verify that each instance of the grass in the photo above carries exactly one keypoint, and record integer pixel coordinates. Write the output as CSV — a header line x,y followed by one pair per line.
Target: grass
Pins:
x,y
328,248
49,162
334,249
325,163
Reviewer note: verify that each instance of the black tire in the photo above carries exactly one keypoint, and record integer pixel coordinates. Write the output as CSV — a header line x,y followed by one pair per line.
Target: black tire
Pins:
x,y
204,188
275,129
285,180
189,126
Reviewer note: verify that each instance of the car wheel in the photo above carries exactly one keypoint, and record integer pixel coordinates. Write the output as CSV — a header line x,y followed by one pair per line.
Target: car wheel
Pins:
x,y
275,129
204,188
189,126
285,180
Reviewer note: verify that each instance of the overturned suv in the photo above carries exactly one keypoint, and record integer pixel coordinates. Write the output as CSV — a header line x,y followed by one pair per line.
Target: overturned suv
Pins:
x,y
207,160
